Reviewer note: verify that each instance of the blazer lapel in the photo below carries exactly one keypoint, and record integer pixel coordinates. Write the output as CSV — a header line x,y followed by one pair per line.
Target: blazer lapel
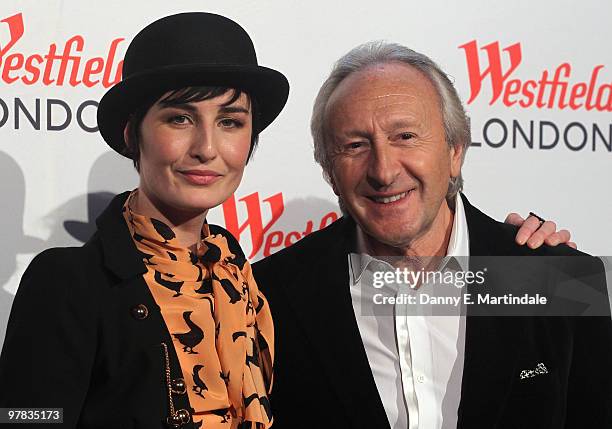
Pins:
x,y
327,316
119,251
490,344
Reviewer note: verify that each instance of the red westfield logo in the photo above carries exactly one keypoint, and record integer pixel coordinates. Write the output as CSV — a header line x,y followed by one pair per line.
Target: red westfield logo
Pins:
x,y
551,90
261,233
53,68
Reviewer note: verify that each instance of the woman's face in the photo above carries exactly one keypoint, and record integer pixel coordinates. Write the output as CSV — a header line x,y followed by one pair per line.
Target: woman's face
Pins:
x,y
192,155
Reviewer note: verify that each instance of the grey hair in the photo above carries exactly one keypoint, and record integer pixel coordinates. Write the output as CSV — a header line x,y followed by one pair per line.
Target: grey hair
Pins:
x,y
456,122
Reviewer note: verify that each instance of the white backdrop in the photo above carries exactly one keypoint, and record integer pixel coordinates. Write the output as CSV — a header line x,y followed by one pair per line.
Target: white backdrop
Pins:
x,y
54,182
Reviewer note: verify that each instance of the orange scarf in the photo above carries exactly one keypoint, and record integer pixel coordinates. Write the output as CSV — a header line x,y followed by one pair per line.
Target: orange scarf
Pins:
x,y
219,321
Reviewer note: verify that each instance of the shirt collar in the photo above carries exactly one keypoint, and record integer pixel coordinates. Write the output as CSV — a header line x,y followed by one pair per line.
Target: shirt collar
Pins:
x,y
458,247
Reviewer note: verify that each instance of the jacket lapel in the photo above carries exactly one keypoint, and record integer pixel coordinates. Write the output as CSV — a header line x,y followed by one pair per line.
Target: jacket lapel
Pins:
x,y
327,316
119,251
490,343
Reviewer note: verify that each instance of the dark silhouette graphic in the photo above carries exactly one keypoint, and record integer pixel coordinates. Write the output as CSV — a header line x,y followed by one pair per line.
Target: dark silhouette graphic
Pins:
x,y
229,289
163,230
262,400
212,304
260,303
175,286
265,402
147,258
249,399
263,344
224,377
206,286
237,335
255,358
96,202
199,384
14,241
223,413
192,338
194,260
239,260
101,188
212,254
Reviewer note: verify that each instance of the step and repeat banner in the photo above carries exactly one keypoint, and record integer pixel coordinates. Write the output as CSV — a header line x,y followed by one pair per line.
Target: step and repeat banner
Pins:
x,y
536,78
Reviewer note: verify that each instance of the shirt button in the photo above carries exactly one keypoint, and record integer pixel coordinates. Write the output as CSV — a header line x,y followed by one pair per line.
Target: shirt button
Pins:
x,y
140,312
421,379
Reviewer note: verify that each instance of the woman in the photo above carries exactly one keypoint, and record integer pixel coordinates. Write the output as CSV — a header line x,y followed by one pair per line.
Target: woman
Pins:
x,y
157,320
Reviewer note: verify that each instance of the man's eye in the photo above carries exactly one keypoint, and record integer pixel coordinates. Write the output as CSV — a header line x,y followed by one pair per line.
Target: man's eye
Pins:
x,y
406,136
354,145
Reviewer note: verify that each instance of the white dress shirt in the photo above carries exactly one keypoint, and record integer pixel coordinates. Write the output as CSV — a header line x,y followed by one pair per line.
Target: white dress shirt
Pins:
x,y
416,358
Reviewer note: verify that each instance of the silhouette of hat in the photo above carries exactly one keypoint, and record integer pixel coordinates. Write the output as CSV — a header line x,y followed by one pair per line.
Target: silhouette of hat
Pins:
x,y
12,190
189,49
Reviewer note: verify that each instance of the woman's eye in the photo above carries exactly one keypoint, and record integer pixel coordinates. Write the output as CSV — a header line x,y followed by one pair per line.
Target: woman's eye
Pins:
x,y
230,123
179,119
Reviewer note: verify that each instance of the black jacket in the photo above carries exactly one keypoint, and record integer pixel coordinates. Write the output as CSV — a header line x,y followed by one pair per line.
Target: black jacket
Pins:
x,y
77,337
322,375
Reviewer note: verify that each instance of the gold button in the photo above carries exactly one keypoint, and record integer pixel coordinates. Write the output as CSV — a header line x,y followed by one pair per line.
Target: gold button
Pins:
x,y
184,416
174,422
178,386
140,312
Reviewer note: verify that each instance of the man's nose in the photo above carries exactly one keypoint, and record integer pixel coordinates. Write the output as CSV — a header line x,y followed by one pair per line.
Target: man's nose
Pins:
x,y
383,167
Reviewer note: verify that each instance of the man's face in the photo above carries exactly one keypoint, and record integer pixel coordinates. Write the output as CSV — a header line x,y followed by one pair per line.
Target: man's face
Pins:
x,y
391,164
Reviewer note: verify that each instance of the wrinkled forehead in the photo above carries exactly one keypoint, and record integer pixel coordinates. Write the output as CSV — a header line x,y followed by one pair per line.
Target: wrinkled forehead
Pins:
x,y
384,92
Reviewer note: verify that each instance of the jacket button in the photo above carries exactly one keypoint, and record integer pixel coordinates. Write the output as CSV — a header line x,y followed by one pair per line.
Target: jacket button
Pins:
x,y
140,312
184,416
174,422
180,418
179,386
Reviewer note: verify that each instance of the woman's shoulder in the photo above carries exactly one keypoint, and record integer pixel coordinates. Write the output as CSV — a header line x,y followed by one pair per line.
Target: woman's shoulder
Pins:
x,y
59,266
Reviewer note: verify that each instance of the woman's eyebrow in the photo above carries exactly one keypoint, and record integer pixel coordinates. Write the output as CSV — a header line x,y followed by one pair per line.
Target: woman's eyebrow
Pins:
x,y
185,106
233,109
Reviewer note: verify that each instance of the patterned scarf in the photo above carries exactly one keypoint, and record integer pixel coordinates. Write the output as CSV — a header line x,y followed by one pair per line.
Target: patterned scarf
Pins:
x,y
219,321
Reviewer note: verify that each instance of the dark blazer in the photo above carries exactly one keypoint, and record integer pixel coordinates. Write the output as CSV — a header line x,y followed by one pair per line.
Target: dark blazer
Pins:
x,y
77,337
322,375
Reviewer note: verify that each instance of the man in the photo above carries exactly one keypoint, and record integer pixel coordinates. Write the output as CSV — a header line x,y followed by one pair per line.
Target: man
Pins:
x,y
391,135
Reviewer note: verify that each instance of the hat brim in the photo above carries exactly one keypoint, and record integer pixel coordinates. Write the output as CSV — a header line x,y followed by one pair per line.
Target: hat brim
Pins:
x,y
269,87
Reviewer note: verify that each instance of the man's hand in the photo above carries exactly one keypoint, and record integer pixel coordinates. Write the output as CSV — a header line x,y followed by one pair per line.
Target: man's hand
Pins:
x,y
535,233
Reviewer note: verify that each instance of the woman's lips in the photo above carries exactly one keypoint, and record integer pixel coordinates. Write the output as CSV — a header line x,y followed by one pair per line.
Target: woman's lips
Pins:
x,y
200,177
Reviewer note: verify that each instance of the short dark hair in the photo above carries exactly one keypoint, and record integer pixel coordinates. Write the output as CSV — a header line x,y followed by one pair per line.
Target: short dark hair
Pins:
x,y
184,95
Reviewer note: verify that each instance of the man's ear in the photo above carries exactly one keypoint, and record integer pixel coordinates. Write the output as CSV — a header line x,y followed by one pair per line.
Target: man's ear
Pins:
x,y
456,159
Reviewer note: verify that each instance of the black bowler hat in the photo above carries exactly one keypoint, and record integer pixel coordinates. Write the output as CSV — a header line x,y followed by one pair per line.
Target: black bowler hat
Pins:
x,y
189,49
